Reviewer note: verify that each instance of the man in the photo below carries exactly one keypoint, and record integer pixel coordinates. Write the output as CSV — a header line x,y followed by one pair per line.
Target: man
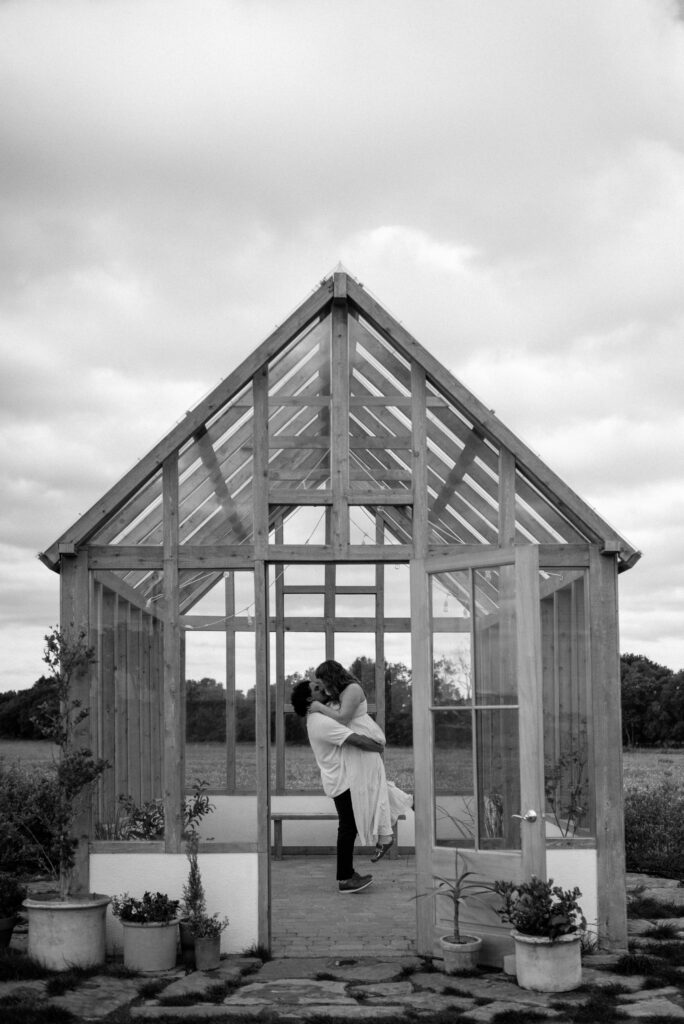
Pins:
x,y
327,737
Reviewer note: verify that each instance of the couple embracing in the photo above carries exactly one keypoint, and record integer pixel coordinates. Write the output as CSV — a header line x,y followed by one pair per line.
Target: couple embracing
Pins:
x,y
347,744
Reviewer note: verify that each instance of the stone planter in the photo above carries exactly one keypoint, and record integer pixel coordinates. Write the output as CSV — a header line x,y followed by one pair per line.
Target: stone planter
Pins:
x,y
460,956
66,933
150,947
546,966
6,928
208,953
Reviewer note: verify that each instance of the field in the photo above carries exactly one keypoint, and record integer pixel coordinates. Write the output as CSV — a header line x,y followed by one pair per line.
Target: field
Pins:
x,y
642,768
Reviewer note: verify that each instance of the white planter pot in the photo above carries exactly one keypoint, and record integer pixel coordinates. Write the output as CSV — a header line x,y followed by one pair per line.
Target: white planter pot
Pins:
x,y
150,947
67,933
460,956
546,966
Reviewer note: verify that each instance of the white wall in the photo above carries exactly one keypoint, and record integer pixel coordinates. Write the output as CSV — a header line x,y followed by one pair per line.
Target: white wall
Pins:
x,y
230,882
569,868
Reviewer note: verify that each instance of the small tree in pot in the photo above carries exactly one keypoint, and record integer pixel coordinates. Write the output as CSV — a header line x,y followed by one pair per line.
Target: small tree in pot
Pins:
x,y
200,932
460,951
76,771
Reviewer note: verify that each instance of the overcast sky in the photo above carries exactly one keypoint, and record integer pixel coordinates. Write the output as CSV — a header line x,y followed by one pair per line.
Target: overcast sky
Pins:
x,y
507,178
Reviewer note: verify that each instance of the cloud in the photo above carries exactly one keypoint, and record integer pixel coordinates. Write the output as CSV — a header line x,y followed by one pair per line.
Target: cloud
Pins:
x,y
507,179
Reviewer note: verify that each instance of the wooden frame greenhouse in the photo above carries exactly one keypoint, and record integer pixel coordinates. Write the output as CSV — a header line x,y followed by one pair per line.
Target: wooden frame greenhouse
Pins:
x,y
358,494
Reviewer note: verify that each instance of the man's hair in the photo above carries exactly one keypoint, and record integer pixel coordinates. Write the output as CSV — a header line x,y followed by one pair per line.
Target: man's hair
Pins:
x,y
301,697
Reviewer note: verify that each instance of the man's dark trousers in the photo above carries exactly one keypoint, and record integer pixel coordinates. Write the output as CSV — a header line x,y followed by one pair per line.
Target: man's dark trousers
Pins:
x,y
346,834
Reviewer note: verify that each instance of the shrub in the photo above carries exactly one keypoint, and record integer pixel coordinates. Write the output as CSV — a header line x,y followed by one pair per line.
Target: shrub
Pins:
x,y
28,840
654,830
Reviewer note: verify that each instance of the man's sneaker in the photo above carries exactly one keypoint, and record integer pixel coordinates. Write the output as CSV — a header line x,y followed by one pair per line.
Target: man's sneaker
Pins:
x,y
356,883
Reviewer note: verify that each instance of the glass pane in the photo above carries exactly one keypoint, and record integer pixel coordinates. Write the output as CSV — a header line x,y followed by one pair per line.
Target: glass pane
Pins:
x,y
455,805
569,809
498,772
451,639
495,636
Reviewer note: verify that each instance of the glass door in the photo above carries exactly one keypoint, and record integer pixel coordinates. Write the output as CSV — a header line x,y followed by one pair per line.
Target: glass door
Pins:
x,y
477,708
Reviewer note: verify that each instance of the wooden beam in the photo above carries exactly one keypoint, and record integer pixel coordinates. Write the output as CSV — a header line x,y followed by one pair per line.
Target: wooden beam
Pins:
x,y
260,479
172,676
607,726
74,620
223,496
262,728
555,489
339,428
315,306
506,498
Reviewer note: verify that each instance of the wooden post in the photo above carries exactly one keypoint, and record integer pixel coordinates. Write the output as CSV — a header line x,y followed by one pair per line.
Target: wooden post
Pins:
x,y
606,713
229,594
172,689
73,615
339,433
530,696
263,750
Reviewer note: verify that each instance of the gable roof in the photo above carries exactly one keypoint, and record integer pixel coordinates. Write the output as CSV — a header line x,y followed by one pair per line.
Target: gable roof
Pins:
x,y
215,445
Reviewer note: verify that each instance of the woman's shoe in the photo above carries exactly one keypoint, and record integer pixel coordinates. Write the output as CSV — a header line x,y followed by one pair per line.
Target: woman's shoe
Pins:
x,y
381,849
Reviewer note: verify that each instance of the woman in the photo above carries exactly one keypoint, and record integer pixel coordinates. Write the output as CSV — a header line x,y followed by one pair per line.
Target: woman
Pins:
x,y
377,803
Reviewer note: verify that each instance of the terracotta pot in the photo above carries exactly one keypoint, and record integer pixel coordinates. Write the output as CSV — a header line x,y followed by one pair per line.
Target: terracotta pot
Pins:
x,y
460,956
548,966
150,947
6,928
208,953
65,933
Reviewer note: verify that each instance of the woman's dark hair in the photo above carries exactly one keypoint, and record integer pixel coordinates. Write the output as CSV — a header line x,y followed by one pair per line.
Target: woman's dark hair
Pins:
x,y
334,677
300,698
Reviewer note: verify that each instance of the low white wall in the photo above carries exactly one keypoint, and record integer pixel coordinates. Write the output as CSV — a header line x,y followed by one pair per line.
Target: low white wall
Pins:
x,y
230,882
571,867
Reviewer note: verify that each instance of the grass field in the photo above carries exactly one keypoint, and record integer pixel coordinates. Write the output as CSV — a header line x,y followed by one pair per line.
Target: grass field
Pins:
x,y
642,768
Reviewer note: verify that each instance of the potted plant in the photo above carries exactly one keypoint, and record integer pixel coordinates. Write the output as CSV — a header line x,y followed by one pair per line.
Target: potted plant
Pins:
x,y
150,925
200,932
12,895
548,923
460,951
67,930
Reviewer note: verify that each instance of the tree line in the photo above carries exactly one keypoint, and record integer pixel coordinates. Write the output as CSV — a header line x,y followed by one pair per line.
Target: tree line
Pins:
x,y
652,704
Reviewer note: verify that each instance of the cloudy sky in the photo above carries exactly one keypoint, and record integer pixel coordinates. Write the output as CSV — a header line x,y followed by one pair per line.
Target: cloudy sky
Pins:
x,y
506,177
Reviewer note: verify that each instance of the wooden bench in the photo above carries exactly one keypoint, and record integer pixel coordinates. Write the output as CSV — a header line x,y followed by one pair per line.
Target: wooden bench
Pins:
x,y
278,817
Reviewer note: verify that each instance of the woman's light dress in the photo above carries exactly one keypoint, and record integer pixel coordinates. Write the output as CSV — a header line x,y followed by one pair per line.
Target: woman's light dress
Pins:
x,y
377,803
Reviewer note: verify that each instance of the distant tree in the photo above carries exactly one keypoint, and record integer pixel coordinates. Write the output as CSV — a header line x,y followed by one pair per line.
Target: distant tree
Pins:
x,y
644,722
18,708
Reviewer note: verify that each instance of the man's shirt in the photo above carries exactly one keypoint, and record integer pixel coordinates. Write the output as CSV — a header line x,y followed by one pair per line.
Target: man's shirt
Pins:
x,y
326,737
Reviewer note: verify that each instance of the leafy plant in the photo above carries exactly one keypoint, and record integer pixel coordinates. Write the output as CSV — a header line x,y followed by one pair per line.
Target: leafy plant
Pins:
x,y
28,797
12,895
540,908
147,821
151,908
206,926
58,718
565,786
457,890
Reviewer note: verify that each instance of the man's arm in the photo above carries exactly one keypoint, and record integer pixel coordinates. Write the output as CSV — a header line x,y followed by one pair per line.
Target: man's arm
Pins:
x,y
364,743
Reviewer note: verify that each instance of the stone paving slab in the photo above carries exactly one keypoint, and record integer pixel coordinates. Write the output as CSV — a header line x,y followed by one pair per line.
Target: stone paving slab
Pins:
x,y
98,997
484,1014
390,992
356,1012
649,993
295,991
653,1008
